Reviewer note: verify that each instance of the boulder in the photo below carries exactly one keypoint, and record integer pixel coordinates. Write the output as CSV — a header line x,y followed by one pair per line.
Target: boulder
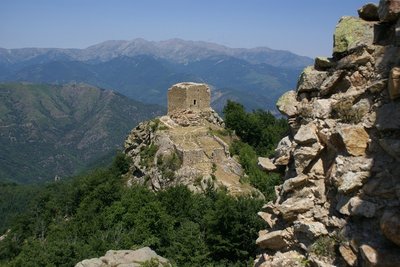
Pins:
x,y
352,181
291,207
369,12
290,258
303,155
283,152
311,80
269,218
295,182
354,138
266,164
306,135
388,10
310,228
334,82
394,83
348,255
390,225
359,57
287,104
322,108
360,207
324,63
274,240
352,32
131,258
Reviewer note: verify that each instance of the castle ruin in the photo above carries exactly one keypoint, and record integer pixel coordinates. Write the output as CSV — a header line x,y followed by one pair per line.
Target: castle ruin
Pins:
x,y
189,96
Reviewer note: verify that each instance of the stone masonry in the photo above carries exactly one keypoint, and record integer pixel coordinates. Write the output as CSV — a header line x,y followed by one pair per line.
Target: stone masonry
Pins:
x,y
188,96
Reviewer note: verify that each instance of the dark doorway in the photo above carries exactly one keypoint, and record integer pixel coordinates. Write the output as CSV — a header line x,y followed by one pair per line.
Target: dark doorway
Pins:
x,y
194,102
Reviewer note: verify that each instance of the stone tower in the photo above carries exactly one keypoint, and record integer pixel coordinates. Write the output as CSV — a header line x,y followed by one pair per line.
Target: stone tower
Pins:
x,y
189,96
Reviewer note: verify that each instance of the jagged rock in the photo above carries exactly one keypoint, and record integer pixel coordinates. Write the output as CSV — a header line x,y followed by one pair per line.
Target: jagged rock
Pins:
x,y
310,228
349,172
354,138
303,155
266,164
394,83
295,182
306,135
369,12
324,63
348,255
388,10
352,181
269,218
286,259
310,80
287,104
274,240
390,225
335,82
351,33
131,258
283,151
322,108
358,58
291,207
359,207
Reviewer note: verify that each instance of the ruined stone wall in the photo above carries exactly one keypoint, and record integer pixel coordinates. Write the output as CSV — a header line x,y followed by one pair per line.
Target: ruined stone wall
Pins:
x,y
190,96
339,204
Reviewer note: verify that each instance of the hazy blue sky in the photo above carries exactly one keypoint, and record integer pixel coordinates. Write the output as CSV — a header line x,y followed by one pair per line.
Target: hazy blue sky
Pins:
x,y
302,26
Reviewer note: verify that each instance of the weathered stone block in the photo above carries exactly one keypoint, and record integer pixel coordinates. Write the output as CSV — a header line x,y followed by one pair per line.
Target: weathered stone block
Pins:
x,y
354,138
352,32
287,104
311,80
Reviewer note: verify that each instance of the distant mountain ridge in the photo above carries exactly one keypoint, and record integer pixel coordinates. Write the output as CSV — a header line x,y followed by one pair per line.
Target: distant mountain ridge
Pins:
x,y
143,70
175,50
48,130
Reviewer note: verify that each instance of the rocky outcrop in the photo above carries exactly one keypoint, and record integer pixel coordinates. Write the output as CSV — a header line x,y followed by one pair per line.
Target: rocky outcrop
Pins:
x,y
184,147
339,204
126,258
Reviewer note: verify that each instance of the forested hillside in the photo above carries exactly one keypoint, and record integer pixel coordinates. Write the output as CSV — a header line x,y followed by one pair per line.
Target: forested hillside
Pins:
x,y
48,130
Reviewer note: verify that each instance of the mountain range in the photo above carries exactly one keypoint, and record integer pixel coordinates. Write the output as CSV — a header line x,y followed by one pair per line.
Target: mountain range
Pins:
x,y
58,130
143,70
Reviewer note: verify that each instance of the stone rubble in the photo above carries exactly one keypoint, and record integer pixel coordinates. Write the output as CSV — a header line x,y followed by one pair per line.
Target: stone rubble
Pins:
x,y
341,182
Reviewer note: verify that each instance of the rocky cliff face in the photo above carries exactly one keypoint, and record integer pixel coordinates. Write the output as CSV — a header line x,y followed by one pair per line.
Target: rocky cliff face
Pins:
x,y
184,147
339,204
